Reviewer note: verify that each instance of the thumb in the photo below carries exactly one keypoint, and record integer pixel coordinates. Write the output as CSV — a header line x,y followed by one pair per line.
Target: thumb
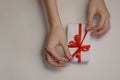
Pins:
x,y
66,51
89,21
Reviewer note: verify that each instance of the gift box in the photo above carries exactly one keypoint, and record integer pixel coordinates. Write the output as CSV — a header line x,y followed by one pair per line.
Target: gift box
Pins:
x,y
79,43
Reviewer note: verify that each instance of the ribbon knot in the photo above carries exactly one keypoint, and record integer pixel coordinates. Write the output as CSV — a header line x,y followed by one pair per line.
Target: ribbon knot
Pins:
x,y
77,43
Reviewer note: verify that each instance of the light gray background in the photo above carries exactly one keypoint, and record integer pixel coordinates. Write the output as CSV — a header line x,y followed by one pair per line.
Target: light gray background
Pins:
x,y
23,30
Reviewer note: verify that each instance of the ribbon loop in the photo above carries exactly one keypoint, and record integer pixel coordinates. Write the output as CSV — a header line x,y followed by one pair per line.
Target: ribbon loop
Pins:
x,y
77,39
72,44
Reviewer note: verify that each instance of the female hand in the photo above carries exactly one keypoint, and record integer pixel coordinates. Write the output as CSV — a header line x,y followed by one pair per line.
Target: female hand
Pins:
x,y
57,37
98,8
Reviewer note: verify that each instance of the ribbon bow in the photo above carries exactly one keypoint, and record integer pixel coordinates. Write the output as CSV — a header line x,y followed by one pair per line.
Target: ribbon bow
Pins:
x,y
77,43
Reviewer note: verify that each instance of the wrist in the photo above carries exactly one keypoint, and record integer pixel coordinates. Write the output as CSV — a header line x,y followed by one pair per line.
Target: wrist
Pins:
x,y
54,24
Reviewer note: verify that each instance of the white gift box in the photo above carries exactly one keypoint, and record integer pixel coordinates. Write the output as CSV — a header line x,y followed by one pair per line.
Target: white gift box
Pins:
x,y
79,29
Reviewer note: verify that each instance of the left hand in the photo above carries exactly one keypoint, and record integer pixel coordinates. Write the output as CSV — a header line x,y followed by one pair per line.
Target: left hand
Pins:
x,y
98,8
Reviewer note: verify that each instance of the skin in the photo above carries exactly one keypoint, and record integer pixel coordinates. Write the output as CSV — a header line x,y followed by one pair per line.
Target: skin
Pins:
x,y
57,36
98,8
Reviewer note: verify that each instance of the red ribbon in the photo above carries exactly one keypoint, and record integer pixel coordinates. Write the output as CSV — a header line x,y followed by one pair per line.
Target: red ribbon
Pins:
x,y
77,43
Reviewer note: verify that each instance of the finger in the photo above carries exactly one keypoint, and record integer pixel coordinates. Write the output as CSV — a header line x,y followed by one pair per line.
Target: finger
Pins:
x,y
53,62
89,20
100,23
67,52
104,29
55,54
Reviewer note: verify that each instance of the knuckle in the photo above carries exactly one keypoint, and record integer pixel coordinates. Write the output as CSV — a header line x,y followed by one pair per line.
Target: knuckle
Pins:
x,y
98,27
48,48
49,61
102,32
64,42
99,33
58,57
103,15
68,55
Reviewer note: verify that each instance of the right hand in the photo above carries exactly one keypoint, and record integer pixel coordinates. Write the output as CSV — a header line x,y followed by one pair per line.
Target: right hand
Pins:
x,y
57,37
99,9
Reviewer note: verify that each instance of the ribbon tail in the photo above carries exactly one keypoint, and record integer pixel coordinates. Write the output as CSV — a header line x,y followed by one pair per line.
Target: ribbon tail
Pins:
x,y
79,57
77,54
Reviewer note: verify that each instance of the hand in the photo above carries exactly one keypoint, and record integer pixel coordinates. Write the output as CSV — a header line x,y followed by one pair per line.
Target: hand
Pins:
x,y
57,37
98,8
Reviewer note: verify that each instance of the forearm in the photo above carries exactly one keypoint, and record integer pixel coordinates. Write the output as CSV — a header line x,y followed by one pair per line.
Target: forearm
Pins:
x,y
52,12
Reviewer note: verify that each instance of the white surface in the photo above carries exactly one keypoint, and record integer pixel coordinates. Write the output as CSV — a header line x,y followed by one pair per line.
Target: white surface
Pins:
x,y
23,31
72,30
